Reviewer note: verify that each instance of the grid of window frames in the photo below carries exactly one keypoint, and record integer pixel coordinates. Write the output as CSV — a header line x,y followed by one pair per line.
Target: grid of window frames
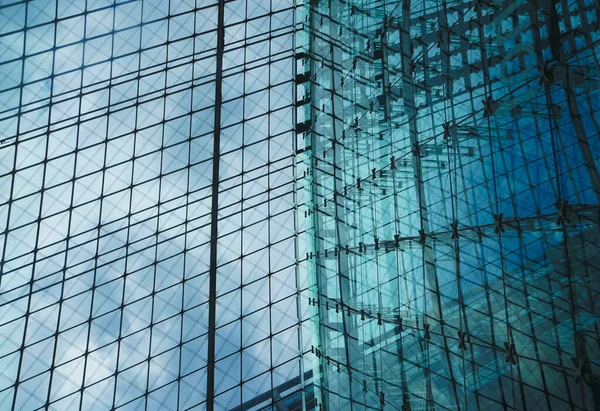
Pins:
x,y
451,162
146,203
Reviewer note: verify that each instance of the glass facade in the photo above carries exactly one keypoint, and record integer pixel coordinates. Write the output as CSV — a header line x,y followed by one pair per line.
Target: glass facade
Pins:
x,y
299,204
450,154
147,203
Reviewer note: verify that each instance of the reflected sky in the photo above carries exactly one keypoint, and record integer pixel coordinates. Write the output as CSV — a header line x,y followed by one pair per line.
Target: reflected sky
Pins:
x,y
107,124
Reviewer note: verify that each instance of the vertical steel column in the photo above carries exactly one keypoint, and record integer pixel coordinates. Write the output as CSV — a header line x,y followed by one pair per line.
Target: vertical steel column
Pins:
x,y
214,212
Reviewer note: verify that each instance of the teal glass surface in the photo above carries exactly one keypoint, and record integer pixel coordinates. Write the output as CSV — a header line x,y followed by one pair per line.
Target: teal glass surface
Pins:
x,y
450,151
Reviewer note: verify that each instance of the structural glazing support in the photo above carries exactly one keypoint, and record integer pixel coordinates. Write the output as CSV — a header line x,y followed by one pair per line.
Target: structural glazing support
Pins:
x,y
214,223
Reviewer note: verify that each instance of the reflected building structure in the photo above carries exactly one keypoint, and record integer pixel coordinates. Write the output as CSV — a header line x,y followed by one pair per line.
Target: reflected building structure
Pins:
x,y
449,154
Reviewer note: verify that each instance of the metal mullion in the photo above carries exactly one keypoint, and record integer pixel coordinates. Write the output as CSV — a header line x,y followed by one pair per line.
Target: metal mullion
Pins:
x,y
158,221
35,252
241,230
126,257
212,298
70,218
14,165
269,249
186,222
